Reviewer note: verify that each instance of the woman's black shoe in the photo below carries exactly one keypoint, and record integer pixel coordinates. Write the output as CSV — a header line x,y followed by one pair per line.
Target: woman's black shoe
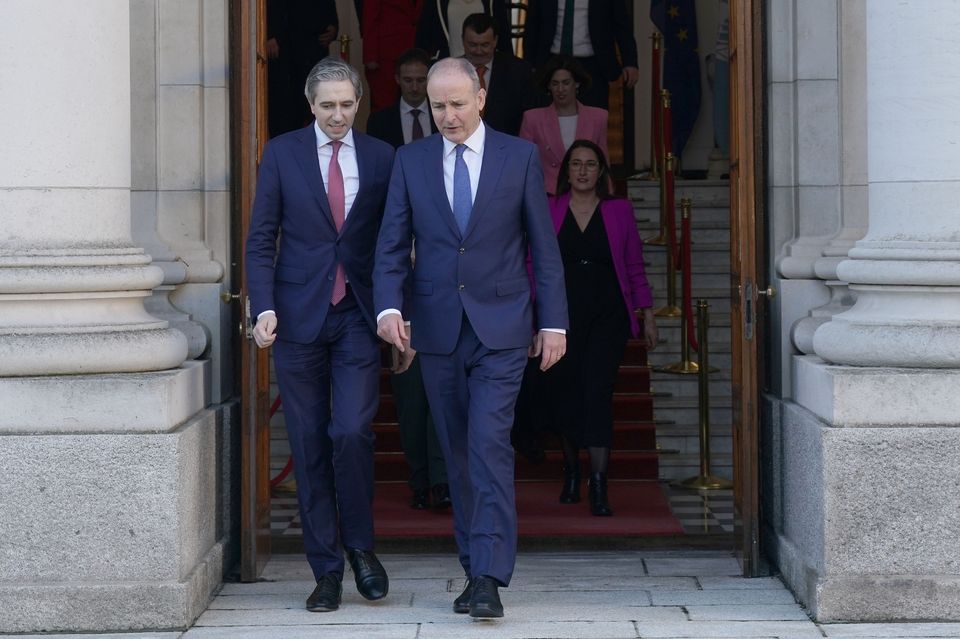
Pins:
x,y
599,505
570,494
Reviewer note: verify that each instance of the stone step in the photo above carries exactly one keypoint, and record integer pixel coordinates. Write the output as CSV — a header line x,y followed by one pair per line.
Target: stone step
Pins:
x,y
685,410
706,193
647,214
673,385
673,467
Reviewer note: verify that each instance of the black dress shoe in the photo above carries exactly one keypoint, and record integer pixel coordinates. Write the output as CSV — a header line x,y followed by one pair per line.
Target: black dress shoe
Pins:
x,y
369,574
485,600
461,605
326,596
441,496
420,499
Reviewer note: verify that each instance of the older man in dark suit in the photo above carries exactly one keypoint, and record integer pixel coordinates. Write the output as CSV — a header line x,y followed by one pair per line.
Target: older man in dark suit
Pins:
x,y
324,187
474,199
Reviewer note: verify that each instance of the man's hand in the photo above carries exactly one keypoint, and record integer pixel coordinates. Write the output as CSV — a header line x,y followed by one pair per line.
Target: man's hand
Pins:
x,y
550,346
273,49
390,328
265,332
630,76
650,333
371,66
402,358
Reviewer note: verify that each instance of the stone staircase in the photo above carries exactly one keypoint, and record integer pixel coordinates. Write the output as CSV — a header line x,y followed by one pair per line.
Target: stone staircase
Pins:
x,y
675,404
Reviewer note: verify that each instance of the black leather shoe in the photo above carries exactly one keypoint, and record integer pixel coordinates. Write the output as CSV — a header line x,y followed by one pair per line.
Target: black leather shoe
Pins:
x,y
570,493
461,605
326,596
485,600
599,505
369,574
420,499
441,496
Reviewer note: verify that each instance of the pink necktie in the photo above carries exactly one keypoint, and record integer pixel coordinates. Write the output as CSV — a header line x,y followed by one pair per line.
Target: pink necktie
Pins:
x,y
336,198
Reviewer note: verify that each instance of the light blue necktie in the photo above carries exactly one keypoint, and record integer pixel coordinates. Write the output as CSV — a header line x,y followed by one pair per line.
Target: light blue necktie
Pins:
x,y
462,200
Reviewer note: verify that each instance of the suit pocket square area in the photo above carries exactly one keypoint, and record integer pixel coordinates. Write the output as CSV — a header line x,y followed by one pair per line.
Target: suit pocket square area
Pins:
x,y
422,287
292,275
513,285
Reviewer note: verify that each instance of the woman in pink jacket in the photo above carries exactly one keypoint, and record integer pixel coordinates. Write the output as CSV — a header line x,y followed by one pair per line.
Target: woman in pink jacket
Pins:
x,y
606,291
554,128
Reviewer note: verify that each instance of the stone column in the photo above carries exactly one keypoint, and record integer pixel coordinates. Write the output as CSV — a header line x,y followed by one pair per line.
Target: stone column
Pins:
x,y
72,283
109,517
906,270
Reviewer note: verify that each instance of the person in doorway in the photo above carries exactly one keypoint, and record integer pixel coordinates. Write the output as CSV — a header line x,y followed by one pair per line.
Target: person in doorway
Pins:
x,y
474,199
389,28
607,289
598,33
554,128
321,189
506,78
408,118
439,40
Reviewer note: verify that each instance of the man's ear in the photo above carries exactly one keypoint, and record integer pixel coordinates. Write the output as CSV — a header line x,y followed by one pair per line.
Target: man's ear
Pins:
x,y
481,98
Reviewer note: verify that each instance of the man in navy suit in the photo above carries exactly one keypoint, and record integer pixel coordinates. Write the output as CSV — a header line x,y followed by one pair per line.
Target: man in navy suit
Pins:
x,y
408,119
474,200
322,188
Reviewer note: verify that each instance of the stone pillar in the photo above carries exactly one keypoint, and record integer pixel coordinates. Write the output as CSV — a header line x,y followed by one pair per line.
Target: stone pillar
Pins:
x,y
868,513
906,271
109,454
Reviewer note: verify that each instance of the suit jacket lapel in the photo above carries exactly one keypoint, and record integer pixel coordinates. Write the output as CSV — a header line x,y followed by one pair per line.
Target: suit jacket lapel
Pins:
x,y
363,169
433,177
494,158
310,166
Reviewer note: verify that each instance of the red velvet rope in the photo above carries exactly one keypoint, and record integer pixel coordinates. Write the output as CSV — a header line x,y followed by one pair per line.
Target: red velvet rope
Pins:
x,y
286,469
687,284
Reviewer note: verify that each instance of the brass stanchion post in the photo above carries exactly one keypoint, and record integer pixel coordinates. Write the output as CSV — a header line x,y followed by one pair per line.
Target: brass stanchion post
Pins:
x,y
704,481
666,181
656,124
345,47
671,309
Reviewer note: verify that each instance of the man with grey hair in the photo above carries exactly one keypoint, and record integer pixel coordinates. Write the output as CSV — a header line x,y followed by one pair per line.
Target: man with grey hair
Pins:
x,y
321,189
474,199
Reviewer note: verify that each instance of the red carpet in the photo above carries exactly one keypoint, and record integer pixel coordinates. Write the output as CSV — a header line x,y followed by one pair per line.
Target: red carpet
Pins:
x,y
640,508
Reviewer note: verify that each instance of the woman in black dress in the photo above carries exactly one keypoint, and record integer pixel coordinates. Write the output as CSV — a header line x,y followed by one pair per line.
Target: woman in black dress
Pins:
x,y
606,290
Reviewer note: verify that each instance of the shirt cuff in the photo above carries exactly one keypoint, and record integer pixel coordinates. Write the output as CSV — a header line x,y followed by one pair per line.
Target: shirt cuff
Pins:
x,y
562,331
389,311
264,313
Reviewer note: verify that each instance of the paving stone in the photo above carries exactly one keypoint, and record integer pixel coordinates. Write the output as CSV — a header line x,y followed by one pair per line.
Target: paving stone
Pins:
x,y
769,612
719,597
741,629
339,631
693,566
888,630
563,583
741,583
507,629
304,588
129,635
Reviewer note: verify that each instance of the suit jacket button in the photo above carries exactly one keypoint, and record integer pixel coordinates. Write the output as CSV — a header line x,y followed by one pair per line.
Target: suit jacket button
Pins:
x,y
462,250
461,287
329,278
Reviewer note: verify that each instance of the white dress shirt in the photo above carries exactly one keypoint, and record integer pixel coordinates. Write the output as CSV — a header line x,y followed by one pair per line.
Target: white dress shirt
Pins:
x,y
348,165
582,47
406,120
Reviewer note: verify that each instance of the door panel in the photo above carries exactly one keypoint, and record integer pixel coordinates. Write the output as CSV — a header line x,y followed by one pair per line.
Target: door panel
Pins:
x,y
249,133
746,145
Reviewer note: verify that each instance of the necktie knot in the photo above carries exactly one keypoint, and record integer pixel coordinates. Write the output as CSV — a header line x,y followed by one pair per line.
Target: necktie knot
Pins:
x,y
336,144
460,148
415,112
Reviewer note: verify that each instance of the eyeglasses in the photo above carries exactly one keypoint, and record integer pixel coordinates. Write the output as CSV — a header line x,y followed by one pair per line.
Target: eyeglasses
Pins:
x,y
589,165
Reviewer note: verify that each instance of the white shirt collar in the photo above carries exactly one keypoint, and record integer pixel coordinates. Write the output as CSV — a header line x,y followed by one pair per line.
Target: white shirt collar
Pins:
x,y
323,139
406,108
475,142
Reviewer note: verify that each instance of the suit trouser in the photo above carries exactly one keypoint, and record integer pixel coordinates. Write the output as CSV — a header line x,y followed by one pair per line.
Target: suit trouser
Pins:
x,y
472,394
418,435
598,93
330,394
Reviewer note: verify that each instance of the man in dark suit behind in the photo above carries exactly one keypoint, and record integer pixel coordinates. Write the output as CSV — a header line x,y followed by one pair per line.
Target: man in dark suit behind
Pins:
x,y
508,80
588,33
474,199
324,187
409,118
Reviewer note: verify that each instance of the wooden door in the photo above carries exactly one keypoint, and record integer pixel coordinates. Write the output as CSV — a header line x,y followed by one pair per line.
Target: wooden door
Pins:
x,y
746,261
248,117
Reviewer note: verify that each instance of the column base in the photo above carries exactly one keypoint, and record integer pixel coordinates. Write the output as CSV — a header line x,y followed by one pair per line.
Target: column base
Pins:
x,y
862,513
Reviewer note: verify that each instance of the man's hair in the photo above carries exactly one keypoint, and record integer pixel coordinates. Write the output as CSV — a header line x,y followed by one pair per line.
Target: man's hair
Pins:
x,y
331,70
447,65
479,23
410,56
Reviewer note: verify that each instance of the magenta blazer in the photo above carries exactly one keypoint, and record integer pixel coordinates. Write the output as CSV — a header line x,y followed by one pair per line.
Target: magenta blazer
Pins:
x,y
542,127
626,247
